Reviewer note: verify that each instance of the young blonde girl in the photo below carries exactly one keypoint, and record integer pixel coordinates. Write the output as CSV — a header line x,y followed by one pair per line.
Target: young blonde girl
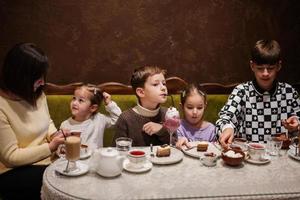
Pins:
x,y
86,118
193,127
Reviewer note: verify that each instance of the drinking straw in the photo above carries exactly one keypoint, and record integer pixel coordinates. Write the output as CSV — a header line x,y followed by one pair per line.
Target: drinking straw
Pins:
x,y
63,134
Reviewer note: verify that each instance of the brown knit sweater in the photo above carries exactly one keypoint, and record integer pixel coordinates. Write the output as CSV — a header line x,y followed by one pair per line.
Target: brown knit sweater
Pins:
x,y
130,124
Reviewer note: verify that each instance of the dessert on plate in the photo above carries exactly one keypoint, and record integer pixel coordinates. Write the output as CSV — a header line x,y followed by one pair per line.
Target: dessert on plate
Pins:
x,y
163,151
202,146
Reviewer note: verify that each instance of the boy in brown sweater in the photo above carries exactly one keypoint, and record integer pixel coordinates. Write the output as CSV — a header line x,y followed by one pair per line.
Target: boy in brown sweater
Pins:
x,y
143,123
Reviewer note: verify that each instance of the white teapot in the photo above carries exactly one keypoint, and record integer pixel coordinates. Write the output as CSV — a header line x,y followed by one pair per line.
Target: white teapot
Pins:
x,y
107,162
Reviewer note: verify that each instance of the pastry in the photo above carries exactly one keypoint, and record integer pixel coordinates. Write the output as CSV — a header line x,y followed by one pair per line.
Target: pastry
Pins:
x,y
163,151
202,146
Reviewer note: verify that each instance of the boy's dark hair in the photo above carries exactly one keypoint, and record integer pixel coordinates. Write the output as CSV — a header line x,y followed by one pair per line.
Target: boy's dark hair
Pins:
x,y
266,52
189,89
97,94
24,64
141,74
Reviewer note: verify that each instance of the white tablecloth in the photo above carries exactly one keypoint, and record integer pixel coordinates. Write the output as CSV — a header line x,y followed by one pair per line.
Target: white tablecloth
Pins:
x,y
280,179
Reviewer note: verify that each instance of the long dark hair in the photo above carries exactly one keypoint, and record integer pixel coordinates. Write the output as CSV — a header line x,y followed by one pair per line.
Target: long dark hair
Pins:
x,y
24,64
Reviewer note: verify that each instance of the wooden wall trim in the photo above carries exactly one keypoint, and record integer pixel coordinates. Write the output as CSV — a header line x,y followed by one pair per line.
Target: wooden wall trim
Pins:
x,y
175,86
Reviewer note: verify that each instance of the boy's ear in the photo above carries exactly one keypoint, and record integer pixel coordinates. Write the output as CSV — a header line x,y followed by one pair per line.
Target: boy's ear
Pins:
x,y
252,65
279,66
140,92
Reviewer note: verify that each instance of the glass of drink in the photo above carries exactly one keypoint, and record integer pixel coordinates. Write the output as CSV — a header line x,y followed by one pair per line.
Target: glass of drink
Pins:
x,y
123,145
72,152
172,121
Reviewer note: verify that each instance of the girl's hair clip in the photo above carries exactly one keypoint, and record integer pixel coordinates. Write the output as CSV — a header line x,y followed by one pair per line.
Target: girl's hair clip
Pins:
x,y
183,93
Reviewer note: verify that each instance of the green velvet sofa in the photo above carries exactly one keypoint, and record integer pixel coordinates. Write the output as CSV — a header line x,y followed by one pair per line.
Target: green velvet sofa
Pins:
x,y
59,98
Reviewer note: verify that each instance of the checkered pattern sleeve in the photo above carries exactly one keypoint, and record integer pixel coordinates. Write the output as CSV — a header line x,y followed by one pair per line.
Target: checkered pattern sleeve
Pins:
x,y
232,111
295,104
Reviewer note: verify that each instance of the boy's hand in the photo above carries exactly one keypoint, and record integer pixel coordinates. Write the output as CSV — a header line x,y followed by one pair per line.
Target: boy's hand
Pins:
x,y
106,98
291,124
226,137
150,128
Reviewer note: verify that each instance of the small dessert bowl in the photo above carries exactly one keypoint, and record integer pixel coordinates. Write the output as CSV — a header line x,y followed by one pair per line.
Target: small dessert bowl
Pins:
x,y
209,159
233,157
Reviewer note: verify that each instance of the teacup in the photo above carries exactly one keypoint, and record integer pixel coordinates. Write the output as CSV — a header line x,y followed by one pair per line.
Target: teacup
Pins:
x,y
257,151
241,143
83,149
75,133
137,158
209,159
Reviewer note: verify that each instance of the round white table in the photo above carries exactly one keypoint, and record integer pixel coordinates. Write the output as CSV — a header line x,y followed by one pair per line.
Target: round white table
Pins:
x,y
188,179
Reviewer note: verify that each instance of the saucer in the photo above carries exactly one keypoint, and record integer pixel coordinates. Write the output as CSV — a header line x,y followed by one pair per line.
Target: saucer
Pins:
x,y
266,160
86,155
291,153
81,168
146,166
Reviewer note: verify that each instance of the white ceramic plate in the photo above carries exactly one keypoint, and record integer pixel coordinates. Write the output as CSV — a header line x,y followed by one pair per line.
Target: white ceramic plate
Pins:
x,y
196,154
61,166
175,157
291,153
266,160
86,154
146,167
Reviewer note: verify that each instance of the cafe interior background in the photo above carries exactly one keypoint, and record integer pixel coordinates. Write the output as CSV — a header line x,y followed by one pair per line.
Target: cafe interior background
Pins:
x,y
200,41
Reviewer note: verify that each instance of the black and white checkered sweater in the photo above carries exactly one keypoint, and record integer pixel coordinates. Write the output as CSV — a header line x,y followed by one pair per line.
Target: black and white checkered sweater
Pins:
x,y
254,115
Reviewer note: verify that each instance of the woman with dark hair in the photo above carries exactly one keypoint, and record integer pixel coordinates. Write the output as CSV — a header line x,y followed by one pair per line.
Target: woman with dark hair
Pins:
x,y
27,134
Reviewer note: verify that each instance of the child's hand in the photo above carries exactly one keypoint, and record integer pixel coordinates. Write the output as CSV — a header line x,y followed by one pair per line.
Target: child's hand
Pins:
x,y
291,124
106,98
150,128
182,141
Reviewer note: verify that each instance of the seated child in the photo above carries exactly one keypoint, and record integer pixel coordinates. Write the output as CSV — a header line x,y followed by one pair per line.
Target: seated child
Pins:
x,y
193,127
86,118
143,123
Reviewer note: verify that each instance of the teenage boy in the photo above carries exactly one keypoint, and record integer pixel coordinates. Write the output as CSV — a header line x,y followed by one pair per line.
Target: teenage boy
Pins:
x,y
263,107
143,123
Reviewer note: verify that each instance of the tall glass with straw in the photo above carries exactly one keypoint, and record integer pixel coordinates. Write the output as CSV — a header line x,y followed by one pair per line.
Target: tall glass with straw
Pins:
x,y
172,121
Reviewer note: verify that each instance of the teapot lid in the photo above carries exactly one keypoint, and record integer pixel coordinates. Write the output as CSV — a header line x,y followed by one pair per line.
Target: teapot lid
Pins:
x,y
109,152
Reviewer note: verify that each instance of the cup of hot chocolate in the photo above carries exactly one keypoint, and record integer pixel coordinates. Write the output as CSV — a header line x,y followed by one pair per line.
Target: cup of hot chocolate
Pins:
x,y
72,148
136,158
257,151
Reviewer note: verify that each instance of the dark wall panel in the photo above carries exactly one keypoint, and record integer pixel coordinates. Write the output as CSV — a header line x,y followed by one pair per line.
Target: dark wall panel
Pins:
x,y
199,40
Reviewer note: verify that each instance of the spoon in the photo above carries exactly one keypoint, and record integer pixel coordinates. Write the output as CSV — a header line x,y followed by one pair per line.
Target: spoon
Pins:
x,y
151,150
67,167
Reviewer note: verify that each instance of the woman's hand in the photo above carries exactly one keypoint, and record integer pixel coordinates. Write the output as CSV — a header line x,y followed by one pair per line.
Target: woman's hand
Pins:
x,y
58,138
